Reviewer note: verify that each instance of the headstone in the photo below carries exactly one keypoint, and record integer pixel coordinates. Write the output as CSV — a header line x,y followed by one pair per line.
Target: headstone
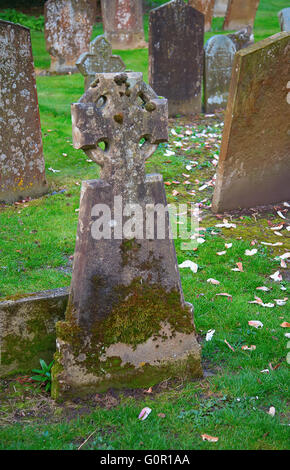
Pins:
x,y
68,29
21,154
99,60
206,7
284,19
240,13
242,38
220,7
123,23
176,33
219,53
254,164
127,324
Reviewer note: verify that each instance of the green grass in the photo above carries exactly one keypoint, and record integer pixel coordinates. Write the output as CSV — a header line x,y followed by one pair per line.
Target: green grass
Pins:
x,y
37,240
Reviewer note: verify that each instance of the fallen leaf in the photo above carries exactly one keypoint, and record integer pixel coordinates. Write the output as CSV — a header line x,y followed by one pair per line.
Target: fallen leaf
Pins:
x,y
249,348
263,288
213,281
209,335
251,252
161,415
276,276
285,324
206,437
149,390
255,323
271,411
228,344
225,294
144,413
228,245
220,253
189,264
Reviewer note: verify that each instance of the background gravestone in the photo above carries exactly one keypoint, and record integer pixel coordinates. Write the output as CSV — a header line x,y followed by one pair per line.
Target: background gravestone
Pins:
x,y
242,38
99,60
284,19
176,33
220,7
254,164
68,29
240,13
127,324
123,23
219,52
22,171
206,7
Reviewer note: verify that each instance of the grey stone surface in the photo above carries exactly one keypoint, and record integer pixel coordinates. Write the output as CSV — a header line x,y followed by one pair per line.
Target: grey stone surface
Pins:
x,y
68,29
22,172
99,59
240,13
284,19
27,329
176,33
219,52
242,38
220,7
123,23
254,164
122,286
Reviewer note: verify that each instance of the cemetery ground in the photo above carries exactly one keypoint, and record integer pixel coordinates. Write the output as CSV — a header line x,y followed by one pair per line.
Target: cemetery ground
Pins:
x,y
233,400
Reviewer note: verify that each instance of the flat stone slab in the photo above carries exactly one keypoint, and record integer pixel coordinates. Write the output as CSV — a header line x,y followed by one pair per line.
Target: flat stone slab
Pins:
x,y
240,13
206,7
99,59
68,30
284,19
254,164
27,329
219,53
21,154
123,23
176,33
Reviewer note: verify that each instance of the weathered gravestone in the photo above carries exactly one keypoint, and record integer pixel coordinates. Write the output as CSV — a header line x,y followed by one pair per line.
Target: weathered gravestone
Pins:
x,y
68,29
219,52
220,7
22,172
254,164
176,33
240,13
99,60
123,23
284,19
127,324
206,7
242,38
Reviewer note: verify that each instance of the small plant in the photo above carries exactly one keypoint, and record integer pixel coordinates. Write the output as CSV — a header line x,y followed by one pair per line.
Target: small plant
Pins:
x,y
43,375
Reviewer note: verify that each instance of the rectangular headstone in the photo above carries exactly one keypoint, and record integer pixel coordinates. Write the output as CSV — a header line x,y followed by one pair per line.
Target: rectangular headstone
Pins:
x,y
123,23
220,7
219,53
176,33
284,19
240,13
254,163
68,29
206,8
127,324
99,59
22,172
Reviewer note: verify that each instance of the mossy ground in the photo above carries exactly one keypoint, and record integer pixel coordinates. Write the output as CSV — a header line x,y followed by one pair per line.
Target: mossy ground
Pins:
x,y
37,241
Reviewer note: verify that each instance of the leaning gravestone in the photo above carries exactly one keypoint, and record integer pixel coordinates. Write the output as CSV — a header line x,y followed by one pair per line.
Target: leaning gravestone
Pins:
x,y
68,29
127,324
284,19
21,154
176,33
240,13
219,53
254,165
123,23
220,7
99,60
242,38
206,7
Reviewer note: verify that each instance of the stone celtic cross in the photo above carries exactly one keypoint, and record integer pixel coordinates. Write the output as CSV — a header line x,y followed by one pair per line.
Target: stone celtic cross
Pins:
x,y
127,324
99,59
125,115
